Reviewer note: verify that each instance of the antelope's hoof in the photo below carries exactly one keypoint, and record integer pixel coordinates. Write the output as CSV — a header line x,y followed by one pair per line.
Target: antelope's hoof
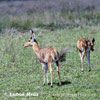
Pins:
x,y
51,86
48,83
89,70
43,84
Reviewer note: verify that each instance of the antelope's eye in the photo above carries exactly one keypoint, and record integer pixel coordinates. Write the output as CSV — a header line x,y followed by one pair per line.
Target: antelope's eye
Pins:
x,y
28,40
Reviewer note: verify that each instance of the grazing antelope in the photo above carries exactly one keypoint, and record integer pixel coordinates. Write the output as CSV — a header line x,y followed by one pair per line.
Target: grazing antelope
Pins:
x,y
84,47
45,56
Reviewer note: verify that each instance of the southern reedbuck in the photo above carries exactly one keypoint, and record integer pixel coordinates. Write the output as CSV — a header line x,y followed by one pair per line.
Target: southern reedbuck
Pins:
x,y
45,56
84,47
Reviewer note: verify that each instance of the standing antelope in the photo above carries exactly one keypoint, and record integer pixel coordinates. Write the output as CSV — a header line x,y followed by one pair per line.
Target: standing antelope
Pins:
x,y
45,56
84,47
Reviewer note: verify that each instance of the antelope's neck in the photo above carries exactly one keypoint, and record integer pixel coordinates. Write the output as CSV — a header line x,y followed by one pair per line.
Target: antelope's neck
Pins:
x,y
36,48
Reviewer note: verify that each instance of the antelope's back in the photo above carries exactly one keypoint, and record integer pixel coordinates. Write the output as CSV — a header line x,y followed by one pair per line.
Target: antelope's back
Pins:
x,y
48,54
82,43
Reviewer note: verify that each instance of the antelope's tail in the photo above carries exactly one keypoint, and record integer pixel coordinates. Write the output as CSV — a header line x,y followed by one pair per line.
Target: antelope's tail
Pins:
x,y
62,54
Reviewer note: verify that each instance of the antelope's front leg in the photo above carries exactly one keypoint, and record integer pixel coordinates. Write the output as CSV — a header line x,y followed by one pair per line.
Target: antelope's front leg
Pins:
x,y
57,66
43,71
88,58
49,65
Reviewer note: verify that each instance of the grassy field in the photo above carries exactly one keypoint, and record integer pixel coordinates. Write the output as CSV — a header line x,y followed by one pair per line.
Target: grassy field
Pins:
x,y
58,23
21,73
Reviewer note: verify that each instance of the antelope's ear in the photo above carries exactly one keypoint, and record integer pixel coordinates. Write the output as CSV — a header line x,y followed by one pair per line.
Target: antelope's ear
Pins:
x,y
93,40
33,35
32,31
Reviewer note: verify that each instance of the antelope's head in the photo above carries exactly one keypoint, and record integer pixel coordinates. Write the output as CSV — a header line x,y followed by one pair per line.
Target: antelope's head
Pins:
x,y
92,44
30,40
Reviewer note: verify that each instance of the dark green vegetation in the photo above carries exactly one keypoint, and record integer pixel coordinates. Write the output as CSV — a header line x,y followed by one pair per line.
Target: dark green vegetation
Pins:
x,y
20,72
49,14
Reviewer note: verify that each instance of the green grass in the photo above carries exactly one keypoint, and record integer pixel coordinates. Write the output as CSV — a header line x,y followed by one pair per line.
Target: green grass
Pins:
x,y
20,72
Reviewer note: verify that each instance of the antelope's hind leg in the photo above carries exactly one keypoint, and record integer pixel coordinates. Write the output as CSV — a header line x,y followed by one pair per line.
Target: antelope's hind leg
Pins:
x,y
88,58
51,71
43,71
57,66
82,60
